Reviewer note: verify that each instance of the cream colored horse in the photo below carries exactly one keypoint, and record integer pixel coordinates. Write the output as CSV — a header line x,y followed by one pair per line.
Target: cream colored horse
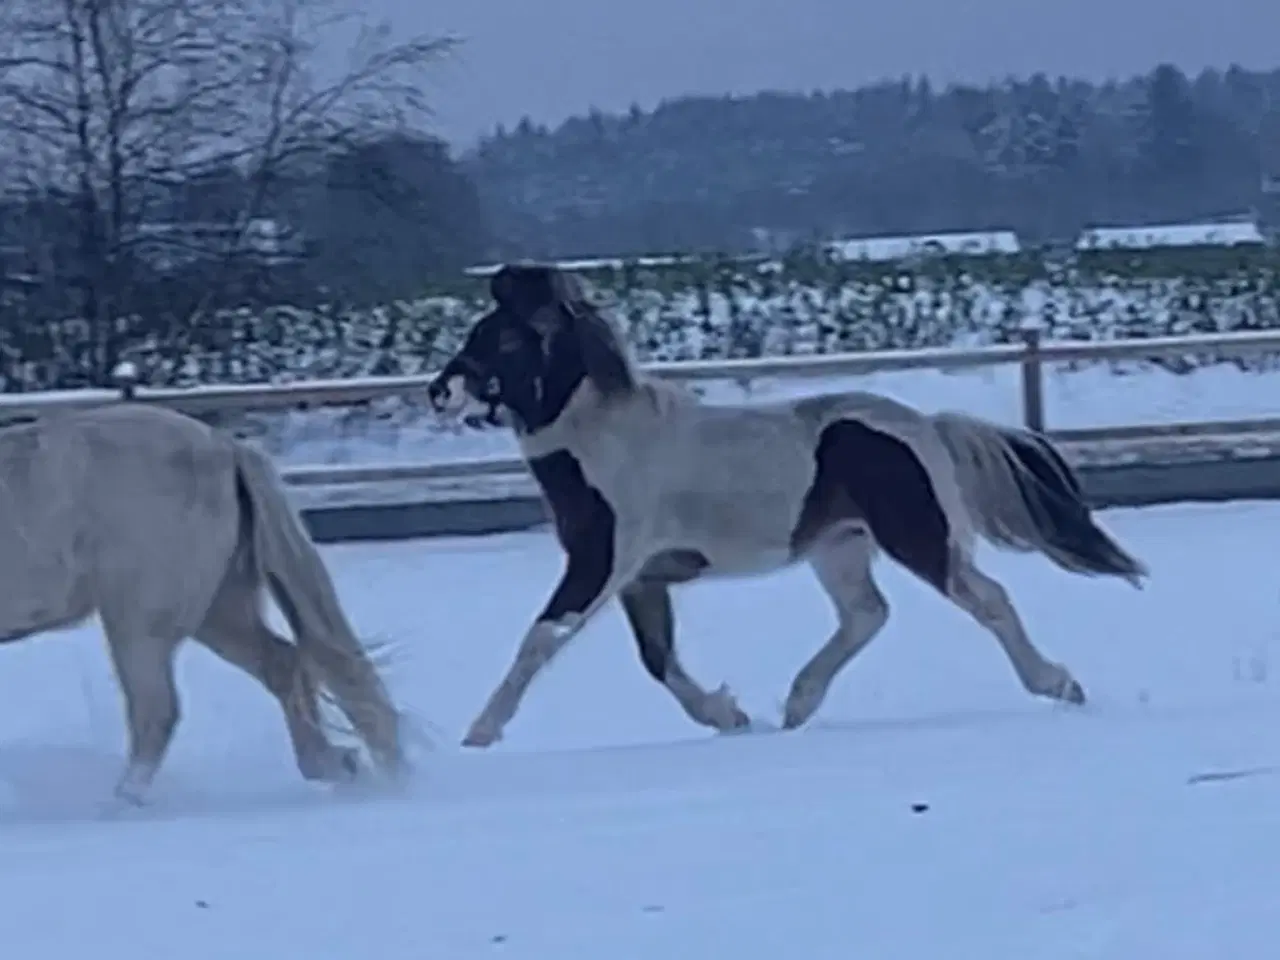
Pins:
x,y
169,529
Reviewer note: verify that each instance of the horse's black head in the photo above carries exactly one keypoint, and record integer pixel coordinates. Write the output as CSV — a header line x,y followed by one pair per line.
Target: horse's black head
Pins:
x,y
530,353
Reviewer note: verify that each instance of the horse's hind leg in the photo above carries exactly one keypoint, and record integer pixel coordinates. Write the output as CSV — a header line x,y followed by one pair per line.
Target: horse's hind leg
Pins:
x,y
988,602
897,497
144,669
843,567
647,605
235,630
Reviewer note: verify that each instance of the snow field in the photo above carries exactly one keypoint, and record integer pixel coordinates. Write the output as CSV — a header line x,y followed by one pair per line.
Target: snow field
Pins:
x,y
932,809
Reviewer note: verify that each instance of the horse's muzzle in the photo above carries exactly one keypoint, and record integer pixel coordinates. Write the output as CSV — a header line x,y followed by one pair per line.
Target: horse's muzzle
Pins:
x,y
439,393
454,394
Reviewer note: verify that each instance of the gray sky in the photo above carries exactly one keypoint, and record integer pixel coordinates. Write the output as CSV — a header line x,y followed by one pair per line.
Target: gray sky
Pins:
x,y
553,58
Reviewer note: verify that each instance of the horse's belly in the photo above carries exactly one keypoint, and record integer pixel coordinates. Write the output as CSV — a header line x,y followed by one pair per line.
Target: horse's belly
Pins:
x,y
742,560
733,541
42,594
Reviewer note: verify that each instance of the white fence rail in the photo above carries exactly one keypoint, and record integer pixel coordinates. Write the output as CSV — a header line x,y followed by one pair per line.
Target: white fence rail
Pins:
x,y
1031,355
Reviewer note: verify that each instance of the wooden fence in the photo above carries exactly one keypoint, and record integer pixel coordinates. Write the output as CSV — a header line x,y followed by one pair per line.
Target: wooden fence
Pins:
x,y
1031,355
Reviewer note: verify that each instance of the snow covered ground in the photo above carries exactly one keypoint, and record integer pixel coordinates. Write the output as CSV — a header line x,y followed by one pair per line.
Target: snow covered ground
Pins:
x,y
931,811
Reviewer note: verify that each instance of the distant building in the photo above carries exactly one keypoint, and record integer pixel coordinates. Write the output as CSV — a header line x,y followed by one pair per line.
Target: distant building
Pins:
x,y
979,243
592,263
1234,233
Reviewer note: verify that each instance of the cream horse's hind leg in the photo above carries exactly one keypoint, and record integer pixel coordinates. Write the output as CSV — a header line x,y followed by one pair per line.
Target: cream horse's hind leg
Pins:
x,y
144,669
843,566
235,630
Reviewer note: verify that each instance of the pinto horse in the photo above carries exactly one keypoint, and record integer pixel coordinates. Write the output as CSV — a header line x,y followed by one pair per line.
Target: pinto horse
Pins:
x,y
650,487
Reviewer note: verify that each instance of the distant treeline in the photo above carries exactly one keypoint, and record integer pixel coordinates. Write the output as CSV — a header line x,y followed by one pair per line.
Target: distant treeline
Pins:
x,y
1044,156
390,217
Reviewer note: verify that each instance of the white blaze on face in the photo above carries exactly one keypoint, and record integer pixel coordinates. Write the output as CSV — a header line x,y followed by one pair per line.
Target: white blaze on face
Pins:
x,y
459,404
455,398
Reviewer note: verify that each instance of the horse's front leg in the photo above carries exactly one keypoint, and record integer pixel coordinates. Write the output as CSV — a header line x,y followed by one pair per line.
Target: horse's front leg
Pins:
x,y
589,581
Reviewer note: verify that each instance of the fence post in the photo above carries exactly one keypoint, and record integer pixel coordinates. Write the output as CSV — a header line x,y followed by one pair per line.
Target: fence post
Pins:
x,y
126,377
1032,380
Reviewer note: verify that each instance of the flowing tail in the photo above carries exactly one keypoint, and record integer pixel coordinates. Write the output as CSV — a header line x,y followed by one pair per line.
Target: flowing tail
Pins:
x,y
1023,495
293,570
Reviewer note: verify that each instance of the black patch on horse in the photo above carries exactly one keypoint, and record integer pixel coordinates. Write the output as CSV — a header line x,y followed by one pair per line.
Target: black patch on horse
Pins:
x,y
584,524
864,474
505,362
674,566
647,605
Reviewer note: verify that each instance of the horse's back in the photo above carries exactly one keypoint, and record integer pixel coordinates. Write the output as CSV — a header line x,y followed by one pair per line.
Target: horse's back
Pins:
x,y
819,411
160,509
741,475
727,481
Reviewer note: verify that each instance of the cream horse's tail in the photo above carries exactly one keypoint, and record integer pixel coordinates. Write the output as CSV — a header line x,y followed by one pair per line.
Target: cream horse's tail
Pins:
x,y
293,570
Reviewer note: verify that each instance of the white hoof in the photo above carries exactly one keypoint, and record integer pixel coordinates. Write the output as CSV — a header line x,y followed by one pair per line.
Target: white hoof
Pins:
x,y
482,734
721,710
134,785
1057,683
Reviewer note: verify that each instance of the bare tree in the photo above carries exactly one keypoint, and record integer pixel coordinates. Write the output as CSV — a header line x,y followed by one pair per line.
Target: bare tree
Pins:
x,y
114,106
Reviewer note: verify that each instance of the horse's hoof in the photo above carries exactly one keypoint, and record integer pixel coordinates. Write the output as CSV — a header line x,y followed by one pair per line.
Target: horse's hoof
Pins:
x,y
722,712
336,765
1072,693
348,764
133,786
481,737
129,797
802,703
1057,683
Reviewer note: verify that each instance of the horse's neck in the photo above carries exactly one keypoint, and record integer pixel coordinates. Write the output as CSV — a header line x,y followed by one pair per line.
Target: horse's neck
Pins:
x,y
589,423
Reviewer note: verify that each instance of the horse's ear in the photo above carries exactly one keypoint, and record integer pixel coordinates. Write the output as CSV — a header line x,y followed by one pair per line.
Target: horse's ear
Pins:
x,y
523,288
568,288
603,356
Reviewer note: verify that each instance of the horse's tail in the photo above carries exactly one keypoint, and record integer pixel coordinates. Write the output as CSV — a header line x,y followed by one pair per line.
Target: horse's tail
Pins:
x,y
292,569
1023,495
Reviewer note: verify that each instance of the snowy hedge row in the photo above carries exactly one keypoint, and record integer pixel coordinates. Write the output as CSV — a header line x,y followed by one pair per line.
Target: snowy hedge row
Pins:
x,y
739,313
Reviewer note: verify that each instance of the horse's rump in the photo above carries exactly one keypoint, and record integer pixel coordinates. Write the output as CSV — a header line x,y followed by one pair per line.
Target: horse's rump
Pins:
x,y
908,427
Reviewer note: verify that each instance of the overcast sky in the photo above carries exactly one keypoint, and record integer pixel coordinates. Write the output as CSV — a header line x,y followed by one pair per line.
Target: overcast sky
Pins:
x,y
553,58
